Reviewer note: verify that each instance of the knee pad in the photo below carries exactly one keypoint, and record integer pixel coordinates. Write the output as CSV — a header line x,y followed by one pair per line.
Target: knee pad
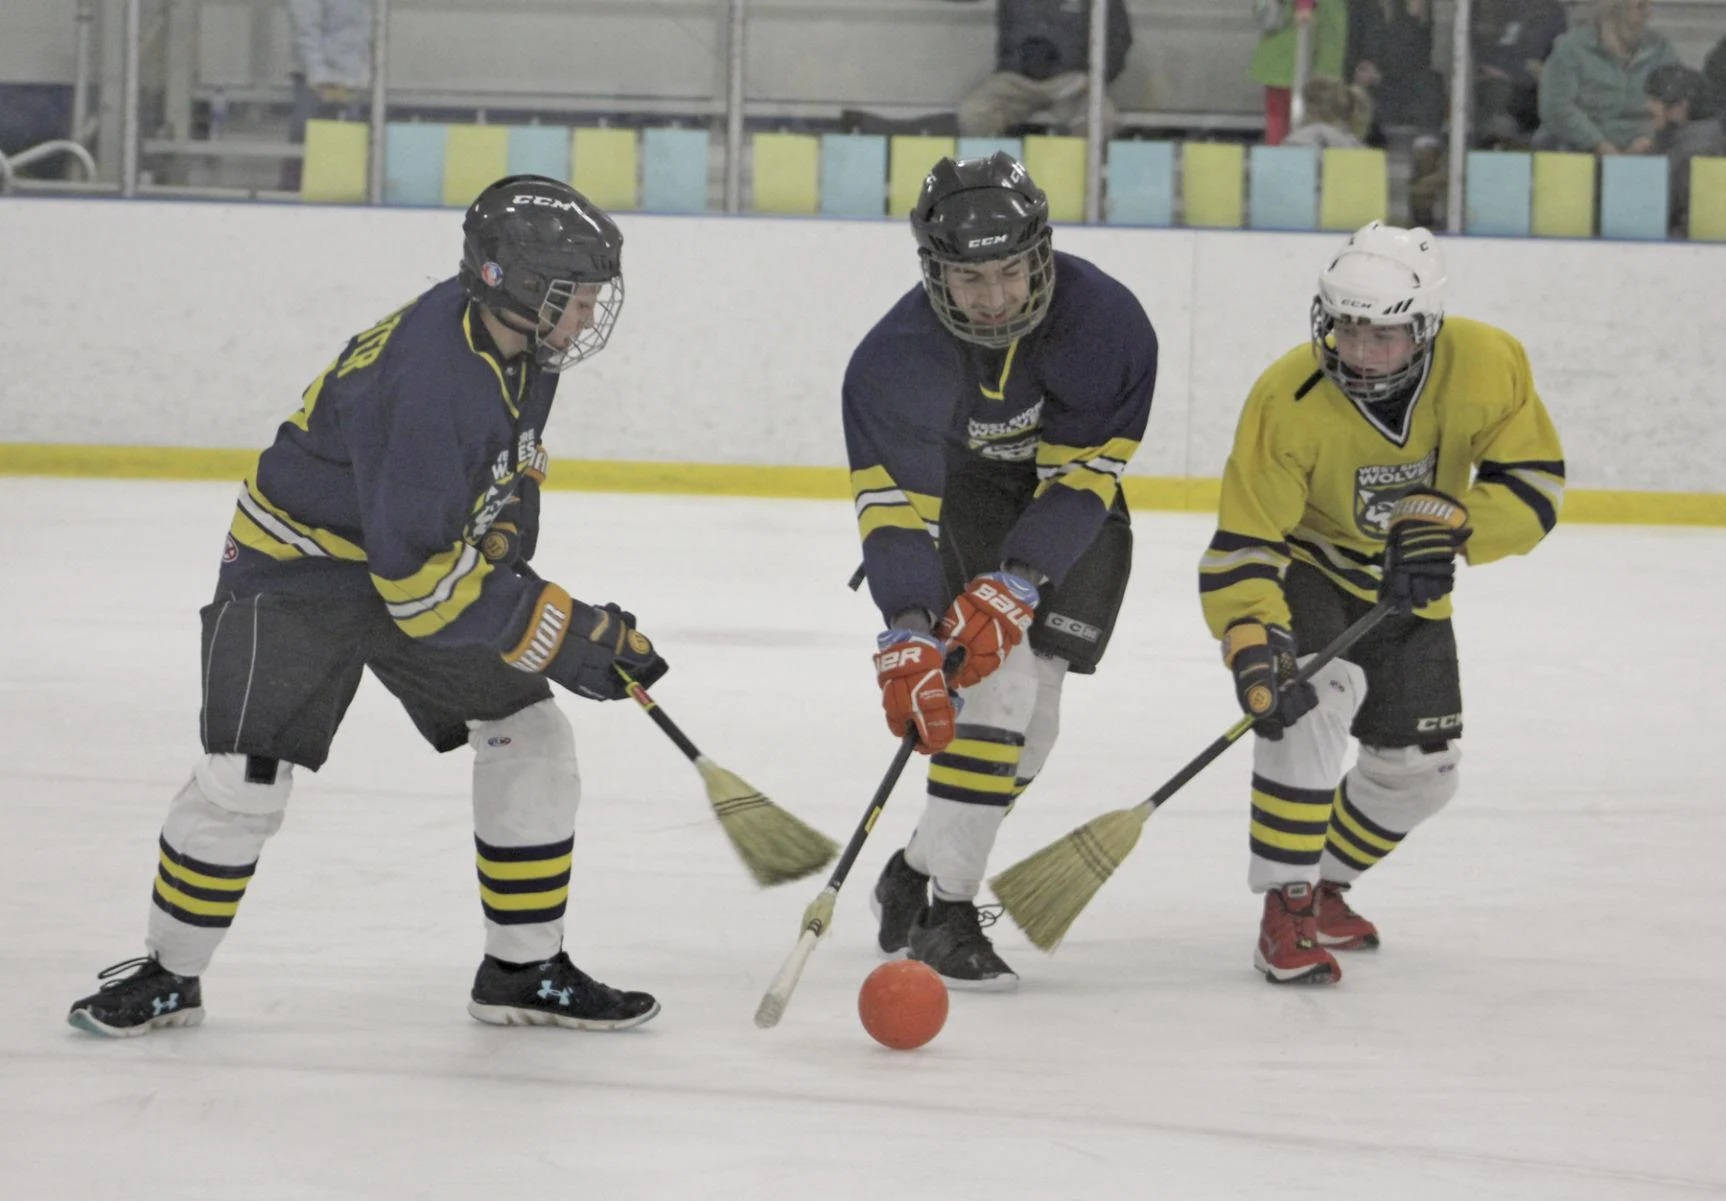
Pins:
x,y
1311,753
525,784
1007,698
245,784
1045,716
1400,787
540,731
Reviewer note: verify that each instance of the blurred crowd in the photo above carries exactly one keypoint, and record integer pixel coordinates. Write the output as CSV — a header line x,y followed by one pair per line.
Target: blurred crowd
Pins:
x,y
1609,84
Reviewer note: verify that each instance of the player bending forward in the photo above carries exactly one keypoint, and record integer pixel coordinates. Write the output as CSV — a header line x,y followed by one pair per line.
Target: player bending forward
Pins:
x,y
389,527
1364,463
988,417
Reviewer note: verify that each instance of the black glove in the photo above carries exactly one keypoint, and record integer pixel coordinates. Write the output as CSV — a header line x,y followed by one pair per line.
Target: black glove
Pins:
x,y
1426,529
1263,661
582,647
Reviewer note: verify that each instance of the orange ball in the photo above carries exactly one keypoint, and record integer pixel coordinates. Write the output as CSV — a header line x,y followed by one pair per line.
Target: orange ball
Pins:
x,y
903,1004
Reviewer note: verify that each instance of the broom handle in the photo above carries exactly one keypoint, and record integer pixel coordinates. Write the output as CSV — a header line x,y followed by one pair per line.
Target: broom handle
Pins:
x,y
652,709
1229,737
877,803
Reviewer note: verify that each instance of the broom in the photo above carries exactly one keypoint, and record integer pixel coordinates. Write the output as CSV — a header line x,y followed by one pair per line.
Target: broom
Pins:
x,y
1045,892
774,845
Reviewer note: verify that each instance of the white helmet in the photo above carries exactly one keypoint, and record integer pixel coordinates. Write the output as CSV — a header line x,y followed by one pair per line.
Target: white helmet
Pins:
x,y
1383,275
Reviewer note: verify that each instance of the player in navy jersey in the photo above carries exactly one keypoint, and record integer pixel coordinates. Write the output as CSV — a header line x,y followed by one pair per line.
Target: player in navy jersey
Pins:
x,y
390,526
988,417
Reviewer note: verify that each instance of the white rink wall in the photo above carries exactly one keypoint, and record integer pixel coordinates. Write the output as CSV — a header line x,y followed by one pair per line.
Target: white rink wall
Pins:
x,y
196,325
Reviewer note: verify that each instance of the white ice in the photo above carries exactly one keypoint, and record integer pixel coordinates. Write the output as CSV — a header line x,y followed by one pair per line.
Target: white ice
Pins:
x,y
1545,1019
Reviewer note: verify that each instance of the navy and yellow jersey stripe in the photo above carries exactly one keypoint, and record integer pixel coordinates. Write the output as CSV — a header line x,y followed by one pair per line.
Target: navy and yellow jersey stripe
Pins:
x,y
1069,401
1312,475
403,452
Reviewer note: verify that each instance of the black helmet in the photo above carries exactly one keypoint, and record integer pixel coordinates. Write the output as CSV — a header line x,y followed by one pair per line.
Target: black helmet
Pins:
x,y
980,210
529,242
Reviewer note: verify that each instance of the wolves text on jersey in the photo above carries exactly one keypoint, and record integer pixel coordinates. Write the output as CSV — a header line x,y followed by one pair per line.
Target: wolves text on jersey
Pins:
x,y
1376,489
1011,441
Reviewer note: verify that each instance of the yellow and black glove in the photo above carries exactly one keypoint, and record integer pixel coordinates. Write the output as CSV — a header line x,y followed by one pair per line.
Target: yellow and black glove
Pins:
x,y
1426,529
1262,658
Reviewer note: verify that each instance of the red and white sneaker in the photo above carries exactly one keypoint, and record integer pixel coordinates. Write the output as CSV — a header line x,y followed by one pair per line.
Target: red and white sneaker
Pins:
x,y
1339,927
1288,950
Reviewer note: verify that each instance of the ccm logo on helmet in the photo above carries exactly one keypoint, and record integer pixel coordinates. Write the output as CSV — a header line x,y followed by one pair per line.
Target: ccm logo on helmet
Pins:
x,y
544,202
992,241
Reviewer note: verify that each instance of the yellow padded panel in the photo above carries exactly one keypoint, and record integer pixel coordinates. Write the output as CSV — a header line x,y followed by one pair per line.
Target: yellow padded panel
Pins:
x,y
604,167
909,157
335,165
1354,188
787,167
1212,174
473,157
1563,195
1708,199
1058,166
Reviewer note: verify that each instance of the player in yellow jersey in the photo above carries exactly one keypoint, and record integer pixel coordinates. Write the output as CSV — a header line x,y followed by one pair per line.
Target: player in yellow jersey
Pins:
x,y
1365,462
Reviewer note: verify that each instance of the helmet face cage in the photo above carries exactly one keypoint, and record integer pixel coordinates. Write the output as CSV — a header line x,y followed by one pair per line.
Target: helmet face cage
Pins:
x,y
589,340
1356,385
1040,268
983,210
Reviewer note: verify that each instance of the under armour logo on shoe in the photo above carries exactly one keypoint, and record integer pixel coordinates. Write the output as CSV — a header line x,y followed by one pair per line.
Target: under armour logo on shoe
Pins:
x,y
547,992
167,1004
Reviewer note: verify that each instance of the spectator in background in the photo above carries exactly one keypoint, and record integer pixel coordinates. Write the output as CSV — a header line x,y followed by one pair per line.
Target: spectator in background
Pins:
x,y
1592,89
1390,55
1714,72
1336,115
1273,63
1684,127
333,53
1042,60
1511,41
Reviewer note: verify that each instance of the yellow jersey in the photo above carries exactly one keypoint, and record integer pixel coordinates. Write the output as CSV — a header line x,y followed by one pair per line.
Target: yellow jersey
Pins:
x,y
1313,474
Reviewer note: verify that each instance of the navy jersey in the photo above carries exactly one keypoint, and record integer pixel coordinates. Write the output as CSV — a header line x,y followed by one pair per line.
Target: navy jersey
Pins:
x,y
1070,399
402,455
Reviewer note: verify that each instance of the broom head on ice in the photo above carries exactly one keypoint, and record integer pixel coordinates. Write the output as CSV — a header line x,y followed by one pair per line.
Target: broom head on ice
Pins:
x,y
1045,892
774,845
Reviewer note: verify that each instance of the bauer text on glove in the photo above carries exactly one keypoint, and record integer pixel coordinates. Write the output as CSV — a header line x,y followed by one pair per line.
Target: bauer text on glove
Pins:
x,y
914,688
987,621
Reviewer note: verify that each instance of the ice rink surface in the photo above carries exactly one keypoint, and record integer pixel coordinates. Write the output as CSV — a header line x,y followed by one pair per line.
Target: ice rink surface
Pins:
x,y
1545,1020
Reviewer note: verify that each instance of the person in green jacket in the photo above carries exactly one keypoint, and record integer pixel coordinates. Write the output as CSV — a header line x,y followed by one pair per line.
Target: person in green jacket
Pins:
x,y
1274,60
1592,89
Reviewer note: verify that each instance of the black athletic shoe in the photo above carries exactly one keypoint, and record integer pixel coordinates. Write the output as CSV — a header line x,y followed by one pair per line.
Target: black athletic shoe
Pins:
x,y
150,998
554,993
900,895
948,936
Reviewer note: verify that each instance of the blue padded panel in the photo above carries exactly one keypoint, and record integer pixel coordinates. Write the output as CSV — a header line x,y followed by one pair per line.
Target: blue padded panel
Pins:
x,y
413,163
1633,196
984,147
1282,189
1498,193
539,150
1140,183
674,170
853,175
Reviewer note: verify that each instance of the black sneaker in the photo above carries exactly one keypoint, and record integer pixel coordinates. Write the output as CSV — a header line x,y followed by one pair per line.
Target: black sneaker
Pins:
x,y
948,936
554,993
900,895
150,998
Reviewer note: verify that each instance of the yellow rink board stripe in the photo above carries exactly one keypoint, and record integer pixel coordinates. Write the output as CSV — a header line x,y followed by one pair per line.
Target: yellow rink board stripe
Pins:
x,y
1170,493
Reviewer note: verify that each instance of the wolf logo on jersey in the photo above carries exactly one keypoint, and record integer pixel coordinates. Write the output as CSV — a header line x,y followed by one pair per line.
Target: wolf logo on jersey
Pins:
x,y
1377,489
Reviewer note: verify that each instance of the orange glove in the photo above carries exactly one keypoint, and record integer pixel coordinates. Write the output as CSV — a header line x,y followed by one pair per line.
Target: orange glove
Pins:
x,y
914,688
987,620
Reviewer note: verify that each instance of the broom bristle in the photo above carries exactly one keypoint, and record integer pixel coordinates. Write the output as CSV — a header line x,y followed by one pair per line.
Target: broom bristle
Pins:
x,y
1045,892
774,845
